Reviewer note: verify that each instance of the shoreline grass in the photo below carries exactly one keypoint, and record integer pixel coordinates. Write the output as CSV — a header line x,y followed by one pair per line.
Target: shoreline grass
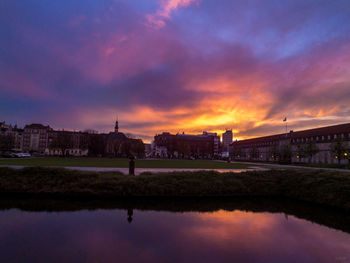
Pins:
x,y
121,163
320,187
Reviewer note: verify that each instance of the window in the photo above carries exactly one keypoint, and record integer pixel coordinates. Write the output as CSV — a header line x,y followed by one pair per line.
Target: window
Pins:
x,y
317,138
329,137
335,136
342,136
322,138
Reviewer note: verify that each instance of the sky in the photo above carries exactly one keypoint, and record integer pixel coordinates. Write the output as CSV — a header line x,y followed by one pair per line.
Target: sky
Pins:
x,y
175,65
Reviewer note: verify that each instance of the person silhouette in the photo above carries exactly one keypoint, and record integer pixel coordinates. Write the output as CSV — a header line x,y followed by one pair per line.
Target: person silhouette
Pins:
x,y
132,165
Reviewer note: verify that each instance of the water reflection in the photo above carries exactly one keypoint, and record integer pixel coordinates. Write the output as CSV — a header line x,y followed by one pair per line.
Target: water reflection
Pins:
x,y
130,213
225,231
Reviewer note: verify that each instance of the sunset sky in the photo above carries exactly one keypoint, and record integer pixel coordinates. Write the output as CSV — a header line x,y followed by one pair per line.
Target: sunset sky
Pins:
x,y
175,65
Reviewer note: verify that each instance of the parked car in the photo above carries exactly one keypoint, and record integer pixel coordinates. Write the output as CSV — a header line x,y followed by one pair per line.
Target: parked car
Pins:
x,y
23,155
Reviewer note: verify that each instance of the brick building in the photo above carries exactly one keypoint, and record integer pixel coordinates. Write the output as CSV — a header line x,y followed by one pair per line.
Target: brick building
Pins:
x,y
168,145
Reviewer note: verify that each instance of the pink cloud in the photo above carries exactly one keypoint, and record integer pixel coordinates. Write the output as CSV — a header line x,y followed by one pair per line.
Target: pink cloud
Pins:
x,y
157,20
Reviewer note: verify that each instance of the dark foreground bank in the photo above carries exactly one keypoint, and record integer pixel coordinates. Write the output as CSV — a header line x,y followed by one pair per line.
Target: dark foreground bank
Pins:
x,y
322,187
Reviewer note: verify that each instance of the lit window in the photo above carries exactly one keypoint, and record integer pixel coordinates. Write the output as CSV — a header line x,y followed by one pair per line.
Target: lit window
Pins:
x,y
329,137
335,136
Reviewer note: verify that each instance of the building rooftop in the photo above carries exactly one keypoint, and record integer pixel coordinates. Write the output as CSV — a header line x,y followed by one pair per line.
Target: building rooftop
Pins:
x,y
323,131
37,126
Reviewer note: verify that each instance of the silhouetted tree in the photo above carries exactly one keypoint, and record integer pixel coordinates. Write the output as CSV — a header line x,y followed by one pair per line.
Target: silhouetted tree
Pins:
x,y
96,145
340,150
236,152
310,149
63,141
183,149
126,148
274,152
300,152
285,153
138,147
254,152
7,142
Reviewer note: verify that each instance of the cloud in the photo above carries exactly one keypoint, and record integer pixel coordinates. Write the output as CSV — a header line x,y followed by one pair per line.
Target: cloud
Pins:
x,y
207,70
157,20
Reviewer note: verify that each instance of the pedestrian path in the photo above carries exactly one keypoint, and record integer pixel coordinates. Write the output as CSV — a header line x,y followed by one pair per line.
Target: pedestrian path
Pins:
x,y
138,171
284,166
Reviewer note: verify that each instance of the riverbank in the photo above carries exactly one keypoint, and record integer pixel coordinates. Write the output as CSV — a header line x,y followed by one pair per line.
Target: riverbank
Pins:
x,y
320,187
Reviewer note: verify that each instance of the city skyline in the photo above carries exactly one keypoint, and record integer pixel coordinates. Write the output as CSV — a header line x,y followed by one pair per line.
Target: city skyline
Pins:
x,y
179,65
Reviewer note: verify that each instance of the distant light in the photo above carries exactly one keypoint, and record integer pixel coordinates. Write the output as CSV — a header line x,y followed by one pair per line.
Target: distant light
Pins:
x,y
298,156
345,154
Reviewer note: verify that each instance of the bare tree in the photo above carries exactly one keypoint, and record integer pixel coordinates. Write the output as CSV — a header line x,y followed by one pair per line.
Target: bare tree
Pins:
x,y
63,142
310,149
274,152
300,152
7,142
236,152
340,150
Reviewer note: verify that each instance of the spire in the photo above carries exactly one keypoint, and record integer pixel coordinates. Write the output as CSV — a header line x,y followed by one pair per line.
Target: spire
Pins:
x,y
116,127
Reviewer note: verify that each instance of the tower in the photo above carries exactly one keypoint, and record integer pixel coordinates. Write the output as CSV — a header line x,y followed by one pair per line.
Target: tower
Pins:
x,y
116,128
227,139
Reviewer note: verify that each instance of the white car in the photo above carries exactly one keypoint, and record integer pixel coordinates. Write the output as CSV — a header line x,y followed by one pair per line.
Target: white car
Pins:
x,y
23,155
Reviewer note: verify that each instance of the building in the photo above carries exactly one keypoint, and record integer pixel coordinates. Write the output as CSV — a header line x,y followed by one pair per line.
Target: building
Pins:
x,y
307,146
35,138
148,149
117,144
15,133
216,138
168,145
227,140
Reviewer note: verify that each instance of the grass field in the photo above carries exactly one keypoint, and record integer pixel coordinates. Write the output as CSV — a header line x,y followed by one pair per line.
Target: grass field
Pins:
x,y
122,163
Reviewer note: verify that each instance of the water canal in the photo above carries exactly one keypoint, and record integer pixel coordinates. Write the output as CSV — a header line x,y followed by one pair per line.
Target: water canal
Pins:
x,y
171,231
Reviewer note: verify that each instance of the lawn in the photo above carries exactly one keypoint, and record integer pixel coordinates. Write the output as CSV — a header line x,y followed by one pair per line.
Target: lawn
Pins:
x,y
122,163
